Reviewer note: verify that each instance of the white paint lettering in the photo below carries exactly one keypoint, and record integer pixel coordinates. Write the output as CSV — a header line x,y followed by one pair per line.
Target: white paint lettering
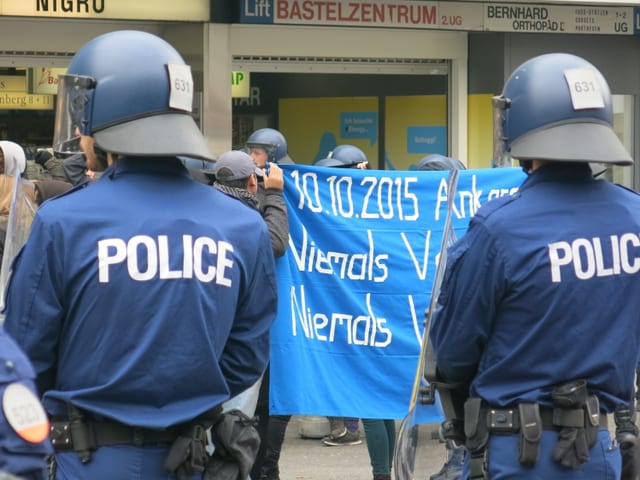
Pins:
x,y
105,258
590,258
149,258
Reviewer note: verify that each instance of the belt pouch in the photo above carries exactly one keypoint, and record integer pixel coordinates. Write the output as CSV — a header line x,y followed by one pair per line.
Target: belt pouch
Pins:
x,y
592,420
476,432
530,434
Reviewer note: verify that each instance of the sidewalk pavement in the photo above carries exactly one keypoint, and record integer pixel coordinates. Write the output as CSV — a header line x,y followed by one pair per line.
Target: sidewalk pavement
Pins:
x,y
309,459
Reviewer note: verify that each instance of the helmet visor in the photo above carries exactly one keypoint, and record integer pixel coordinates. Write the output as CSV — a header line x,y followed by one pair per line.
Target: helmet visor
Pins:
x,y
501,156
73,112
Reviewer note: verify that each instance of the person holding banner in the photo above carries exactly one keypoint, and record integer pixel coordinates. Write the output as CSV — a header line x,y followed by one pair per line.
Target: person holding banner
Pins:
x,y
344,431
145,300
537,319
268,148
380,433
236,175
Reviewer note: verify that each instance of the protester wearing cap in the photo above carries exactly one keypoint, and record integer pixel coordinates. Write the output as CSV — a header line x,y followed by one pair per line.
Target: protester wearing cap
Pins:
x,y
237,175
235,169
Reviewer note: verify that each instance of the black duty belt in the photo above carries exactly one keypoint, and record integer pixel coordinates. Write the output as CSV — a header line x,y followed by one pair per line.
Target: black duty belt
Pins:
x,y
89,433
507,420
99,434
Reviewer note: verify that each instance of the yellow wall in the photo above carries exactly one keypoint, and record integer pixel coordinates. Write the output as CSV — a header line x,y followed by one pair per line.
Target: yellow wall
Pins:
x,y
411,111
313,127
480,130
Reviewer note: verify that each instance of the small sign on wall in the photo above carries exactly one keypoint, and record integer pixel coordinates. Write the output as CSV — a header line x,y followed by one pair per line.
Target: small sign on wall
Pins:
x,y
240,84
44,80
422,140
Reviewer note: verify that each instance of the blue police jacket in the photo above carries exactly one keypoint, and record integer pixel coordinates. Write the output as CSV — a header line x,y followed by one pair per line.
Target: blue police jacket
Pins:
x,y
543,289
17,455
145,297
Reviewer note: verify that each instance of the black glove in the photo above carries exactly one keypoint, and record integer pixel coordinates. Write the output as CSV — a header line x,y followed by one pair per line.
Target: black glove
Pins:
x,y
572,449
42,157
237,442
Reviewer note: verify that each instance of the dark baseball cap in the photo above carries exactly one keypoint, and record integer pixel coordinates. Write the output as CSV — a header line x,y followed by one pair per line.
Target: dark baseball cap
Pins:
x,y
235,165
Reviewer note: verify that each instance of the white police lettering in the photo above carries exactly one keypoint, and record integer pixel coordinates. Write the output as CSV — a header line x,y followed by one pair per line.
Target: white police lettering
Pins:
x,y
148,258
589,258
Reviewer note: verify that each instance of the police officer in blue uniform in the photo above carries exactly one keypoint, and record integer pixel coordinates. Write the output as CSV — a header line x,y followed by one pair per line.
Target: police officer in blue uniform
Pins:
x,y
144,300
537,320
24,427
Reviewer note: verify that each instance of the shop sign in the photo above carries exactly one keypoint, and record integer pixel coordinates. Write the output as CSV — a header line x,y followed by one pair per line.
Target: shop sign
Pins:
x,y
171,10
589,19
45,80
372,13
467,16
13,83
25,101
240,84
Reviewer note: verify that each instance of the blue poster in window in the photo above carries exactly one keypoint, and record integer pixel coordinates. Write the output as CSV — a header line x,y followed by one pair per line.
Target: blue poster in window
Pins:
x,y
427,140
359,125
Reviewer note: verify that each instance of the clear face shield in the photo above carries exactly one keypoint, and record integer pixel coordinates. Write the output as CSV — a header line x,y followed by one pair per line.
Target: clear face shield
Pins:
x,y
73,112
501,157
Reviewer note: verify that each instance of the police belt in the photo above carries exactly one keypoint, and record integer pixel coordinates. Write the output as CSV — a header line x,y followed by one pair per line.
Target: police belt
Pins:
x,y
507,420
527,419
90,433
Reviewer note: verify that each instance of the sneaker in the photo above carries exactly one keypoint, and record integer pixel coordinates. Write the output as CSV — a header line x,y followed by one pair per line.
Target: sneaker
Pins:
x,y
335,434
348,438
337,427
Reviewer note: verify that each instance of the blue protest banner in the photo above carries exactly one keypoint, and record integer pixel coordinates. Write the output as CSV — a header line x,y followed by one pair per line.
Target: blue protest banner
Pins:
x,y
356,280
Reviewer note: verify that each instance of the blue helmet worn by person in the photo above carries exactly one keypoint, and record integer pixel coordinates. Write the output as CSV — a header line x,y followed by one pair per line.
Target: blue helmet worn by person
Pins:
x,y
195,163
556,107
199,169
439,162
349,155
138,104
329,162
273,142
344,156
